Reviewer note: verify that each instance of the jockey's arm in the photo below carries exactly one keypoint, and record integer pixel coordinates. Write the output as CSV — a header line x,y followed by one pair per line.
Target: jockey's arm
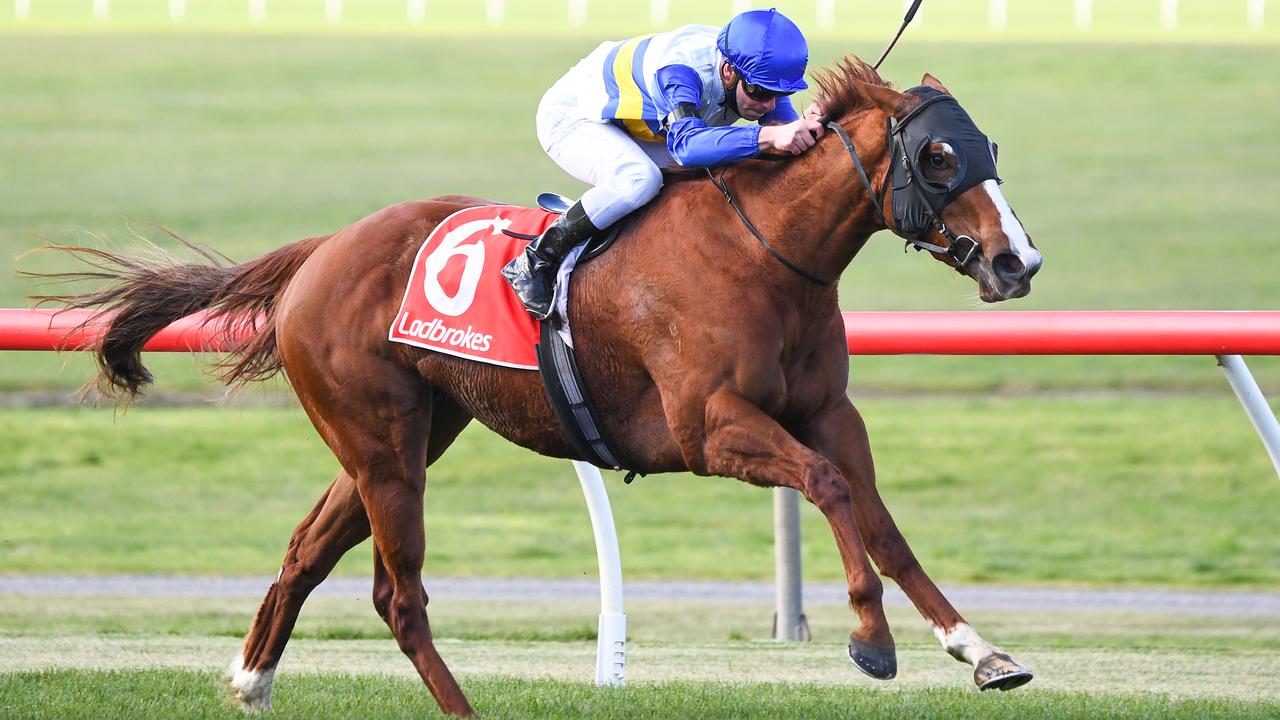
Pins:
x,y
689,140
693,144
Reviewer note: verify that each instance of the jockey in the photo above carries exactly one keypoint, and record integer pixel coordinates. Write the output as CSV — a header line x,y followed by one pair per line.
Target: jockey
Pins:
x,y
658,101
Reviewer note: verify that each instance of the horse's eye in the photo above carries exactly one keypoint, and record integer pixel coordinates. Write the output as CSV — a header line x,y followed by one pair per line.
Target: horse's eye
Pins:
x,y
937,163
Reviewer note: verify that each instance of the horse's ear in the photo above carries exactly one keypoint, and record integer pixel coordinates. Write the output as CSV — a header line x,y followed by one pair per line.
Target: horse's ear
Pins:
x,y
933,82
885,98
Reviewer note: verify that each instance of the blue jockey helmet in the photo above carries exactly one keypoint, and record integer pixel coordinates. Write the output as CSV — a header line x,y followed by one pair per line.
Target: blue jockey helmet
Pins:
x,y
766,49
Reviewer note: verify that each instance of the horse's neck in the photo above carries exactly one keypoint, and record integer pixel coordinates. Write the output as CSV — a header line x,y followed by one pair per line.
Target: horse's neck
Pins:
x,y
813,209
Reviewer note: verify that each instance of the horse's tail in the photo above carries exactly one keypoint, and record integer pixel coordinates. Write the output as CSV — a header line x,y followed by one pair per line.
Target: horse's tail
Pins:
x,y
146,295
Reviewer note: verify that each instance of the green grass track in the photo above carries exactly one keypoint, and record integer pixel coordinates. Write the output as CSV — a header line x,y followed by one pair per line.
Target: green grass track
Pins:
x,y
72,657
165,694
1106,489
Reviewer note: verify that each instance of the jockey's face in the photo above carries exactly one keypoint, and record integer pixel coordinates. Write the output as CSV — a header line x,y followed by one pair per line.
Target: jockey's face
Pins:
x,y
748,108
753,109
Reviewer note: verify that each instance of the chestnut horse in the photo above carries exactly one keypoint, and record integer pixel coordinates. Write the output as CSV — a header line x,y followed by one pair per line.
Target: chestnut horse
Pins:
x,y
716,358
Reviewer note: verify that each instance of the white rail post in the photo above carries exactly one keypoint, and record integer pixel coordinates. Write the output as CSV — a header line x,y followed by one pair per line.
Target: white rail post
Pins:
x,y
789,623
611,643
416,11
101,10
1256,11
660,12
1084,14
495,11
22,9
1255,405
1169,15
826,12
998,15
333,11
577,13
257,11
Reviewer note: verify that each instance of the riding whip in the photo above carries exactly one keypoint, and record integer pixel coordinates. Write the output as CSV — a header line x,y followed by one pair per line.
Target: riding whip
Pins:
x,y
911,15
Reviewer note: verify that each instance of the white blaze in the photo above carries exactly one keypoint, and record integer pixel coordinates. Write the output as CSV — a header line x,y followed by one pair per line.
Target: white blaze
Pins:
x,y
1019,243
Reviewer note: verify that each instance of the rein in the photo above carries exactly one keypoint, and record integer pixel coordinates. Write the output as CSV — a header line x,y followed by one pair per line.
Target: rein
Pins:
x,y
728,196
962,248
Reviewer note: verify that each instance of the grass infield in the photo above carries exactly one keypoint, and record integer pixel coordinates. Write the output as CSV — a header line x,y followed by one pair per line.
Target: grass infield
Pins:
x,y
1097,489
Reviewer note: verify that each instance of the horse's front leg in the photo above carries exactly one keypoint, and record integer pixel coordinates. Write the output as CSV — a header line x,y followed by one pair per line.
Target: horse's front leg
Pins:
x,y
742,442
841,436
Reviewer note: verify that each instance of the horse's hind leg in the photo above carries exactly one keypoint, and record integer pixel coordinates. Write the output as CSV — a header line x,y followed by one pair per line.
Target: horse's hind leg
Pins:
x,y
378,422
392,485
841,436
448,419
335,525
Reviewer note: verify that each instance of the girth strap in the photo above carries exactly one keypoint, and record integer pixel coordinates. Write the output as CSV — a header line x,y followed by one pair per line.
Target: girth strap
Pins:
x,y
568,397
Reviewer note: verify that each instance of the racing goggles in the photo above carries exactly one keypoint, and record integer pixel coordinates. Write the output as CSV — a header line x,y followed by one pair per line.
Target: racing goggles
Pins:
x,y
760,93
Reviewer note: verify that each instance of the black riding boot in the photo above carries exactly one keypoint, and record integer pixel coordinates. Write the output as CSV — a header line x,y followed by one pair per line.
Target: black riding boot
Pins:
x,y
532,274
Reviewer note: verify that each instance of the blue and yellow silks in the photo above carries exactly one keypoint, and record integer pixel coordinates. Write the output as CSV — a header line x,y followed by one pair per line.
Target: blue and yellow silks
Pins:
x,y
629,102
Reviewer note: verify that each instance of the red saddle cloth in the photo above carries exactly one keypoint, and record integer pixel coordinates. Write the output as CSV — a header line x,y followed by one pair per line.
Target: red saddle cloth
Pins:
x,y
457,301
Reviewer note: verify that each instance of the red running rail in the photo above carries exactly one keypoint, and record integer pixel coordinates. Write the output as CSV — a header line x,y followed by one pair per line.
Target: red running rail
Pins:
x,y
1064,332
67,330
1102,332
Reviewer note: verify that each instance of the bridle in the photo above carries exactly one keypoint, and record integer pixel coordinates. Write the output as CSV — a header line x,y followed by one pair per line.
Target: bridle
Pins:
x,y
914,214
961,249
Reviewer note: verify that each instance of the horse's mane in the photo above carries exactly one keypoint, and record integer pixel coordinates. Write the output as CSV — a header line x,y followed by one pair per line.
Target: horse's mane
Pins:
x,y
840,92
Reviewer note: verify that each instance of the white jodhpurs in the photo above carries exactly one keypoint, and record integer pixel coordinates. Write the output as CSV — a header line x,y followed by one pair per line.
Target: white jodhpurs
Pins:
x,y
622,175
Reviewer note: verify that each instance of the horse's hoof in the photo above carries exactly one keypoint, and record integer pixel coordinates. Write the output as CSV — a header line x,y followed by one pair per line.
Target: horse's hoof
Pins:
x,y
250,689
877,661
1000,672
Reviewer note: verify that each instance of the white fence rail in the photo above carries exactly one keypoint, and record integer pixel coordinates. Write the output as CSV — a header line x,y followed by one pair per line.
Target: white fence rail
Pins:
x,y
577,13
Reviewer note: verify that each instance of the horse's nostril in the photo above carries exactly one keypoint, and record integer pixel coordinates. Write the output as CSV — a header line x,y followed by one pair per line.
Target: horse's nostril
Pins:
x,y
1008,266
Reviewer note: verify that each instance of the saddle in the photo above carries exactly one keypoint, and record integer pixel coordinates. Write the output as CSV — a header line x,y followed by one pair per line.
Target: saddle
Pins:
x,y
559,204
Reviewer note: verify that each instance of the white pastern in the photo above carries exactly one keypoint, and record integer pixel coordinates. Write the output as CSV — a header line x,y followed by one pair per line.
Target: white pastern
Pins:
x,y
963,643
251,687
1012,227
